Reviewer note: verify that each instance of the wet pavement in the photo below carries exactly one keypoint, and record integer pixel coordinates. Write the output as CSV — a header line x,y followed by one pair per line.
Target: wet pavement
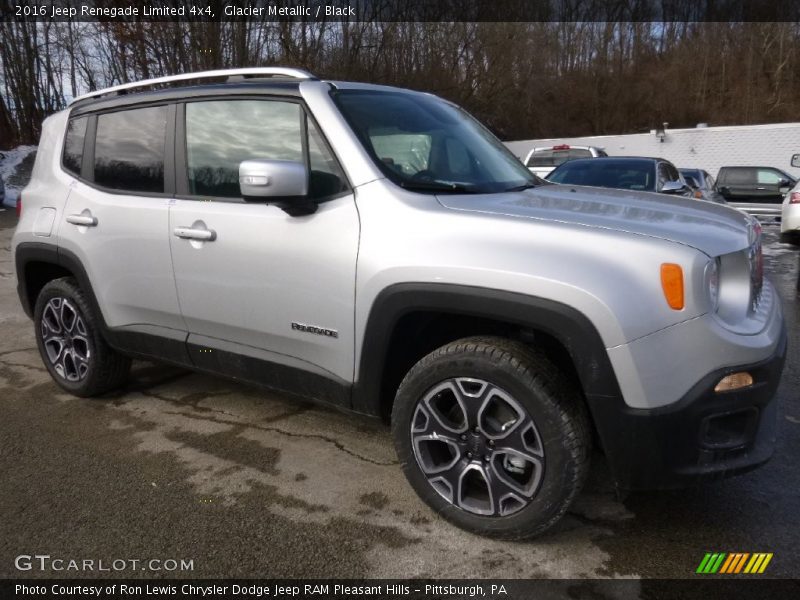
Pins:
x,y
246,483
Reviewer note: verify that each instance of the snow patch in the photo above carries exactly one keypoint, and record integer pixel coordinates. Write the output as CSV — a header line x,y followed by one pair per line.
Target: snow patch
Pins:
x,y
9,161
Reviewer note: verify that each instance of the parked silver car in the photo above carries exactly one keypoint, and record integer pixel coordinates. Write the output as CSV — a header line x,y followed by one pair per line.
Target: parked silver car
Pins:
x,y
379,250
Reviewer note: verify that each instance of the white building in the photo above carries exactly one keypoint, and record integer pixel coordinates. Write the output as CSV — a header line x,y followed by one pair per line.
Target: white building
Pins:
x,y
708,148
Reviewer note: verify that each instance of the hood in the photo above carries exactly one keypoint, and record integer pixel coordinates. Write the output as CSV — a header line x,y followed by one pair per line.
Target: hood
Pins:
x,y
712,228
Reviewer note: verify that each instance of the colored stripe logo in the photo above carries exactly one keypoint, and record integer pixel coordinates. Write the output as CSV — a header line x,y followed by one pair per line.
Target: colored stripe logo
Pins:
x,y
734,563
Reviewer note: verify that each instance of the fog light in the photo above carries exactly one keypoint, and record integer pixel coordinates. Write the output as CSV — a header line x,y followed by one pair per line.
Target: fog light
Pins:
x,y
734,381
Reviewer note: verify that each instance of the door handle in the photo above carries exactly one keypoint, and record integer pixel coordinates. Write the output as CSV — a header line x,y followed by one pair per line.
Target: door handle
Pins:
x,y
85,219
761,188
192,233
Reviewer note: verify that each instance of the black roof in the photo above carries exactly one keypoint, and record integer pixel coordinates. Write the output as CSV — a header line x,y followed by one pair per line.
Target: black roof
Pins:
x,y
597,160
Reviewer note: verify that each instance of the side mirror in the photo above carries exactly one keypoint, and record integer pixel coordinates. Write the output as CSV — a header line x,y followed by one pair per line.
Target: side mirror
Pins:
x,y
283,183
784,183
673,187
795,162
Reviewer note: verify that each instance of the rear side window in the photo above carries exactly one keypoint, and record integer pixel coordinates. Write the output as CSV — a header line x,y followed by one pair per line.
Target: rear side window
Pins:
x,y
542,158
554,158
737,176
129,150
73,145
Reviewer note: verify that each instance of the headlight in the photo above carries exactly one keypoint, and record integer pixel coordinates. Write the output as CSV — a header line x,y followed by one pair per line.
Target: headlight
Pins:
x,y
712,283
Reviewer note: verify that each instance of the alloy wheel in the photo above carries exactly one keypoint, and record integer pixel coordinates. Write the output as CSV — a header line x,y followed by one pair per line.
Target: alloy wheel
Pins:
x,y
65,339
477,446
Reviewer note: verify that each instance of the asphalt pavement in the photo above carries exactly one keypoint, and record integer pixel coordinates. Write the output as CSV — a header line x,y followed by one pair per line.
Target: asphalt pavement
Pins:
x,y
246,483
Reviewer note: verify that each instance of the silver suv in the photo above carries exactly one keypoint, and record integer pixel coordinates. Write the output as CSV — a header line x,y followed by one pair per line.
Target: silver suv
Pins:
x,y
379,250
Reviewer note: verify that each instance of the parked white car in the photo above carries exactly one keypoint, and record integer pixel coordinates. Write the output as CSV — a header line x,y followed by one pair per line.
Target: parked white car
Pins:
x,y
542,161
790,216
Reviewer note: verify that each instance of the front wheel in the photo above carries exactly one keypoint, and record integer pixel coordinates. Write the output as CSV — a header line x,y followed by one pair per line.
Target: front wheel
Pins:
x,y
492,436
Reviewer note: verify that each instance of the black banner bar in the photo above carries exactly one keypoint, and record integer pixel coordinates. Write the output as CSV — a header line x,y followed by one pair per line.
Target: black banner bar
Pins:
x,y
402,10
705,587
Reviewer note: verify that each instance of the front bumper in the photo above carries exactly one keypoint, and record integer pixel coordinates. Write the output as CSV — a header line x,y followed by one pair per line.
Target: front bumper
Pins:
x,y
705,435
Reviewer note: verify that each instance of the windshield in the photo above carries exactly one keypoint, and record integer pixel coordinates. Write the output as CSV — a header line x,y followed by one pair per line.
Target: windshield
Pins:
x,y
427,145
609,173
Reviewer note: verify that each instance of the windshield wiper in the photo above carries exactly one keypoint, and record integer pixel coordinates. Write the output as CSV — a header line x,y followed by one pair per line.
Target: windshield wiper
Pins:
x,y
524,186
438,186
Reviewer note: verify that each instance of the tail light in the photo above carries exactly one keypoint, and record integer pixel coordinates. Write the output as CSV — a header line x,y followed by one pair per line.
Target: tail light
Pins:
x,y
794,198
19,205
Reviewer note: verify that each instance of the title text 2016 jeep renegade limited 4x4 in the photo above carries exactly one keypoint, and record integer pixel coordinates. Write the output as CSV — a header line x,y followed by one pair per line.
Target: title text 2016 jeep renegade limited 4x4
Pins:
x,y
379,250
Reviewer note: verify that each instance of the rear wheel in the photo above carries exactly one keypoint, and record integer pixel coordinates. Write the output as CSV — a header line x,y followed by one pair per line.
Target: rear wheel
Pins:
x,y
492,436
69,340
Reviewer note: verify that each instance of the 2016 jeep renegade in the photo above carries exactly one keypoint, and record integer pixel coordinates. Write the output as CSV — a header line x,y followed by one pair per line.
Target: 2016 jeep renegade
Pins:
x,y
379,250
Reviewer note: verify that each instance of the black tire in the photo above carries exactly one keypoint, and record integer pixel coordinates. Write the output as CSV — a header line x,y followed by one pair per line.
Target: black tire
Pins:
x,y
103,370
790,237
521,377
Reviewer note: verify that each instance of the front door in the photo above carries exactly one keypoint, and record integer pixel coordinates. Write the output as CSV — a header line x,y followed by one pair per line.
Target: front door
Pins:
x,y
265,296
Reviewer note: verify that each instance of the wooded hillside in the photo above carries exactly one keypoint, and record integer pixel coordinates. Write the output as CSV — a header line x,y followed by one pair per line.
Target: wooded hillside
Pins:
x,y
525,80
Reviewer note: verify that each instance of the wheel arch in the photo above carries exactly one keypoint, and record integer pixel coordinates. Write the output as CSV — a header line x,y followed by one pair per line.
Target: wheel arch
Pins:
x,y
401,314
38,263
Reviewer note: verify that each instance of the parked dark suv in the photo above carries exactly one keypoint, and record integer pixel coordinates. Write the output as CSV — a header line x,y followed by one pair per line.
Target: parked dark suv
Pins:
x,y
757,190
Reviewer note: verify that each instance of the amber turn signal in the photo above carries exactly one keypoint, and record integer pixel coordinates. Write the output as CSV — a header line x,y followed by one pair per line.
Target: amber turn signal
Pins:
x,y
672,284
734,381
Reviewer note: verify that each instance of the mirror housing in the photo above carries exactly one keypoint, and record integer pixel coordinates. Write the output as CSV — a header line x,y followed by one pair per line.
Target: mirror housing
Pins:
x,y
673,187
283,183
795,162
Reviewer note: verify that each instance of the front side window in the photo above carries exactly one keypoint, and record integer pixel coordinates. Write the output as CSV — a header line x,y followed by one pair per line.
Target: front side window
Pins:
x,y
73,145
427,145
129,150
768,177
222,134
672,172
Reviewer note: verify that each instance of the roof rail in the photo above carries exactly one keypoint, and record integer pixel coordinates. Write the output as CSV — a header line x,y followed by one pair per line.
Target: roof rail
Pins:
x,y
246,72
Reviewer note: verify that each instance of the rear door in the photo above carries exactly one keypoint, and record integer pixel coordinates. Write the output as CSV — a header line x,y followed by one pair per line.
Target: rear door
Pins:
x,y
738,183
269,297
116,218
